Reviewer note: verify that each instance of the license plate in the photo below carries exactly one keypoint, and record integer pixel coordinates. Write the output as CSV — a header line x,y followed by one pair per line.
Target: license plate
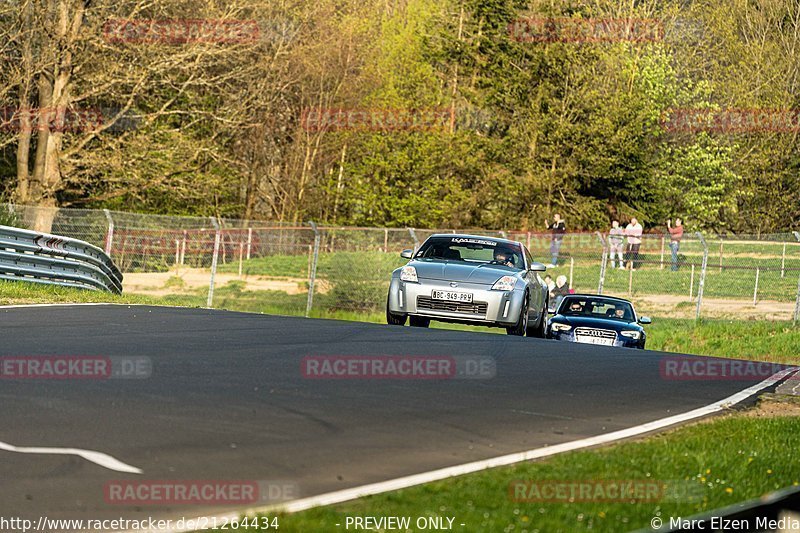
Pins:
x,y
595,340
451,296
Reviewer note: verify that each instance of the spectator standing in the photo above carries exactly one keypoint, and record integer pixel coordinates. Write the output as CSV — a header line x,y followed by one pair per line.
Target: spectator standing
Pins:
x,y
616,239
548,280
559,228
634,232
675,236
560,290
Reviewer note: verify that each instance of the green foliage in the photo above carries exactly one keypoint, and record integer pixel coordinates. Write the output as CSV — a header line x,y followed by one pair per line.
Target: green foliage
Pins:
x,y
574,127
360,280
697,183
8,217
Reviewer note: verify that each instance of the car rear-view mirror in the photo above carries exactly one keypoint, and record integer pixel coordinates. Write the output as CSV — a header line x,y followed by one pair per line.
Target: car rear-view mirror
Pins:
x,y
645,320
538,267
407,254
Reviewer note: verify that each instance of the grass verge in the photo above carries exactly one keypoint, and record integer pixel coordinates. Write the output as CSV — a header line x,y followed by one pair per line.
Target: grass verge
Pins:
x,y
699,467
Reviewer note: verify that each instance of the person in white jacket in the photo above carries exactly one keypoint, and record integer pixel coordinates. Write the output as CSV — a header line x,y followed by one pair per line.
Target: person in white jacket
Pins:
x,y
634,233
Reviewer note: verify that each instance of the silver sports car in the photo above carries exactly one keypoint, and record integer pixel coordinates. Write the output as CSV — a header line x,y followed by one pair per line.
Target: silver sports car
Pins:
x,y
472,280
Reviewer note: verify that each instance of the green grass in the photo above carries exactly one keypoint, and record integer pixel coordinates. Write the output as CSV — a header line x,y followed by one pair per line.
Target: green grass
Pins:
x,y
16,293
702,461
740,339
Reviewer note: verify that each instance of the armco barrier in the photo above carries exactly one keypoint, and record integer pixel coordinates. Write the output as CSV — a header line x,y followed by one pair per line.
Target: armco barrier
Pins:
x,y
50,259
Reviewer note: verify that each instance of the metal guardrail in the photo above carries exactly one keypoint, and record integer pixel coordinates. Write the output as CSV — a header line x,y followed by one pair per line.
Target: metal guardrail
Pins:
x,y
50,259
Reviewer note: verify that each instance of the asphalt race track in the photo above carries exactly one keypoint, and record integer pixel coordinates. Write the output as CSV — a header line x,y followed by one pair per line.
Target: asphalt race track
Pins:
x,y
227,400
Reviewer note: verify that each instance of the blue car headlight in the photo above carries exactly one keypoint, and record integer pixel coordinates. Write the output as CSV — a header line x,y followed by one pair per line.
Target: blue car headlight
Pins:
x,y
635,335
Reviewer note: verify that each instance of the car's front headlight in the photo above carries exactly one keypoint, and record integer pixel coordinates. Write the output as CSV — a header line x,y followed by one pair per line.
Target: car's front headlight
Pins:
x,y
561,327
409,273
506,283
635,335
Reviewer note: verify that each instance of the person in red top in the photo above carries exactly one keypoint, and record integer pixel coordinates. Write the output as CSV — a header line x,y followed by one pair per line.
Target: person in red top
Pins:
x,y
675,236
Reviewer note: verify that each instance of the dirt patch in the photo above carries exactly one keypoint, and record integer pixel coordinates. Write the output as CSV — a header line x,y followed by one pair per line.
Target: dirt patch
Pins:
x,y
771,406
190,279
681,307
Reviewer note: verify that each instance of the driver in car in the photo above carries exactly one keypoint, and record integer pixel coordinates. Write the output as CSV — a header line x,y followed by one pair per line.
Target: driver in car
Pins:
x,y
503,257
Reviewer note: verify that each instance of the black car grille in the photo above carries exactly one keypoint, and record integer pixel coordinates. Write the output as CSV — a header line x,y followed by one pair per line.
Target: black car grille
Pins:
x,y
474,308
592,332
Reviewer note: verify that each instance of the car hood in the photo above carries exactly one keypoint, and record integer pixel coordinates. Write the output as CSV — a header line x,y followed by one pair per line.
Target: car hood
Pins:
x,y
482,273
590,322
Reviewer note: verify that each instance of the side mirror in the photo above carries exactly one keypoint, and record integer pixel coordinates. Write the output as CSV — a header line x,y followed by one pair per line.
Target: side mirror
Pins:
x,y
407,254
537,267
645,320
551,310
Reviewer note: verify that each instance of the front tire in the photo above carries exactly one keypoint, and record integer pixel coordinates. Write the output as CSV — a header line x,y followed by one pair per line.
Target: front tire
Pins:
x,y
420,322
393,319
521,327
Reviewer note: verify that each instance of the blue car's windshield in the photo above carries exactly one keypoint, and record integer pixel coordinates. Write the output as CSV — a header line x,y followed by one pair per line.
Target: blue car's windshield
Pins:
x,y
471,249
596,308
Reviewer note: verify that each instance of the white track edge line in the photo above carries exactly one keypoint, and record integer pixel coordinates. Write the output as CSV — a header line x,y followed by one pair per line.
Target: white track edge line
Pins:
x,y
98,458
372,489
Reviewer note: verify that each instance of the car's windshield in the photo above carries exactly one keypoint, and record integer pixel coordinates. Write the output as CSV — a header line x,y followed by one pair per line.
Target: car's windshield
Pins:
x,y
597,308
473,250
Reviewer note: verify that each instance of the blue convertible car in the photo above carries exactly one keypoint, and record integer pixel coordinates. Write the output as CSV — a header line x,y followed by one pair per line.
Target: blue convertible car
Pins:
x,y
602,320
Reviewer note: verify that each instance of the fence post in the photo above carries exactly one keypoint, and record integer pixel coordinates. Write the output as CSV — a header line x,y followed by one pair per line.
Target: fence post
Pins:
x,y
110,232
603,263
241,254
797,302
413,234
630,281
662,253
755,290
797,299
210,301
691,285
386,240
249,241
571,269
701,286
783,262
312,277
183,248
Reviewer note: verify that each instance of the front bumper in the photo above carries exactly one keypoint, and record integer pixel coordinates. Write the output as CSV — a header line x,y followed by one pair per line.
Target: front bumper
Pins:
x,y
620,341
501,307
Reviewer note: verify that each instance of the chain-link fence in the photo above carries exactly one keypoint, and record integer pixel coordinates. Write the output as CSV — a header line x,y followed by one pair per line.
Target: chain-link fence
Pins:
x,y
304,269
